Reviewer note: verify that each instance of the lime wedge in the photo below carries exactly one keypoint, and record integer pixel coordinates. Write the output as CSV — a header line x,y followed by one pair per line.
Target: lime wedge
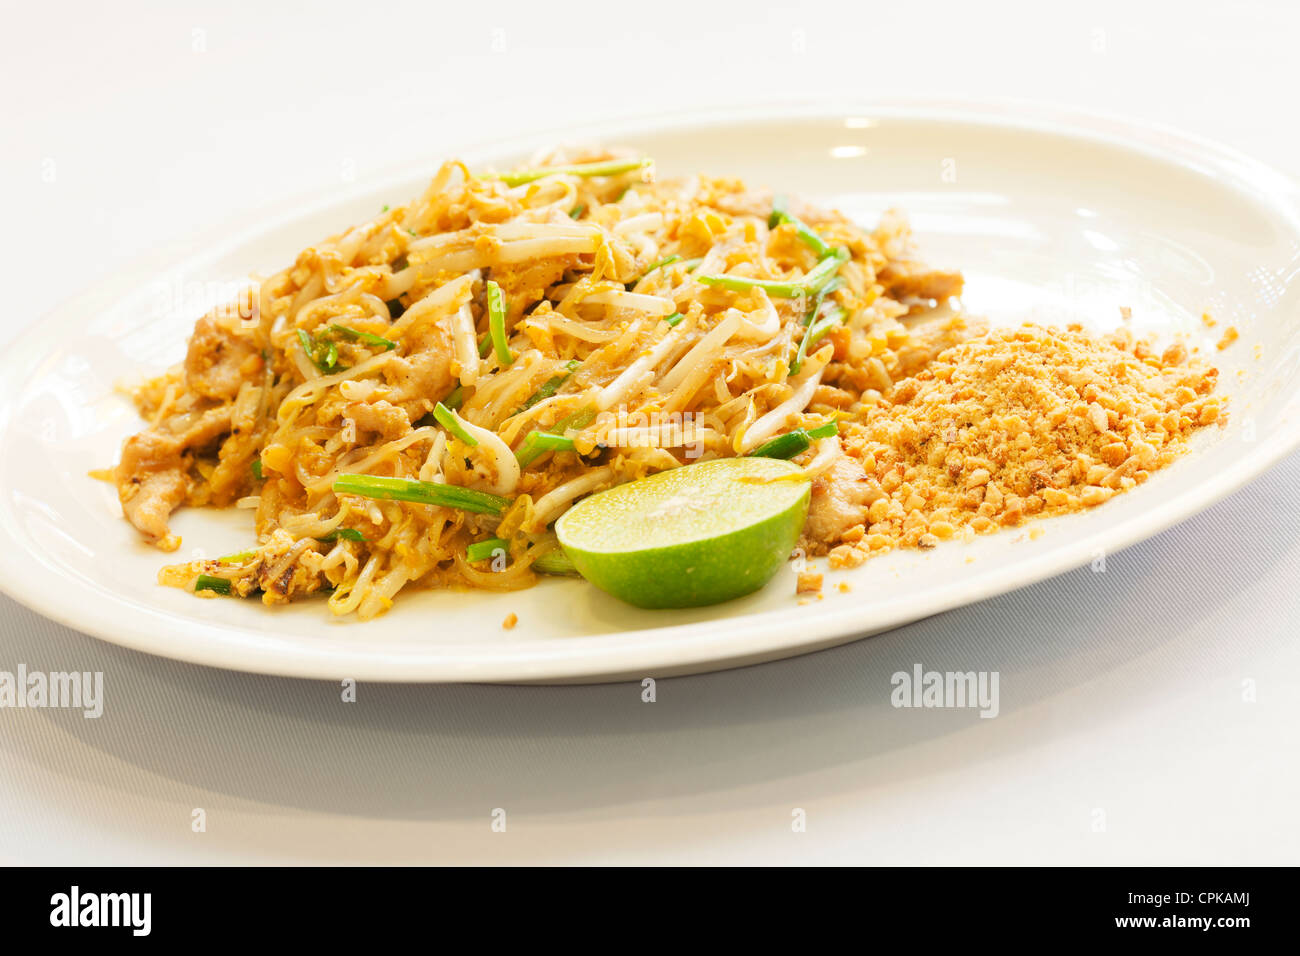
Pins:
x,y
694,535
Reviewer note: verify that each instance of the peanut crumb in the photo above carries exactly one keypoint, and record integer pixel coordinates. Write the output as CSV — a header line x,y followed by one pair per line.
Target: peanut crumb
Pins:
x,y
1010,425
1230,335
844,587
511,620
1209,320
1125,312
809,582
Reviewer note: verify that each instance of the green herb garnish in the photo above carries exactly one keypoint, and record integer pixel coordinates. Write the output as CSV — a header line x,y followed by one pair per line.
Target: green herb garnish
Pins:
x,y
496,304
208,582
421,492
795,442
486,550
612,167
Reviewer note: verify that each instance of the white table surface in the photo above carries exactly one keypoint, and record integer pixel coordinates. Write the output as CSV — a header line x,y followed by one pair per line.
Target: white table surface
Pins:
x,y
129,125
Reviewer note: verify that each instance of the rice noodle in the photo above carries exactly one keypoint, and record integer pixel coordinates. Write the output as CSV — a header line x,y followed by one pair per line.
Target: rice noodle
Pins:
x,y
397,311
804,386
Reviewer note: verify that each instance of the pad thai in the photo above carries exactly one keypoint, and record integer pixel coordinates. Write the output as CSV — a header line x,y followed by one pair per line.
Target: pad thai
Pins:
x,y
436,386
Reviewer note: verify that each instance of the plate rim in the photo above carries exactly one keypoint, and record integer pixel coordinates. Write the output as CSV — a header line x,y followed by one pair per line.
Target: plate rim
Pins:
x,y
718,643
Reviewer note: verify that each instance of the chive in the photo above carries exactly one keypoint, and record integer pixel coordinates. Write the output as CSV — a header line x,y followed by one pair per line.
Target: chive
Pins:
x,y
577,211
577,421
825,430
660,264
346,534
448,420
783,446
257,469
207,582
554,561
817,331
484,346
674,318
807,340
327,363
496,304
538,444
550,386
421,492
817,277
309,347
455,398
385,208
801,228
794,443
239,557
612,167
367,337
486,550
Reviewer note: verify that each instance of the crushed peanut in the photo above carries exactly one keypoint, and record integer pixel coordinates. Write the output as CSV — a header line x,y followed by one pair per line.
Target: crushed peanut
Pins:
x,y
810,582
1020,423
1230,335
511,620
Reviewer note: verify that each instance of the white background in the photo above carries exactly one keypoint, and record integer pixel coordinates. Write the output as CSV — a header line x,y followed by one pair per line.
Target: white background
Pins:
x,y
1124,735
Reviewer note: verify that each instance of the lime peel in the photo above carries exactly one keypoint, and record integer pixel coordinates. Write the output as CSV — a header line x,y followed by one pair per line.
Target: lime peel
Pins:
x,y
695,535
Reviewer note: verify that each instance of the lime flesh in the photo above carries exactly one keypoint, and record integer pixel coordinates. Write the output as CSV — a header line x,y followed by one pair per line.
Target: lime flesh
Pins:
x,y
690,536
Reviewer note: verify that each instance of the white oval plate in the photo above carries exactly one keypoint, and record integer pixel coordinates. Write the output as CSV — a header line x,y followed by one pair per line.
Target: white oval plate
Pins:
x,y
1052,217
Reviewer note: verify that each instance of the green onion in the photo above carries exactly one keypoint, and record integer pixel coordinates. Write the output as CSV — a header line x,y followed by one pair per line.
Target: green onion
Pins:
x,y
239,557
384,208
257,469
674,318
817,277
450,421
834,317
825,430
660,264
550,386
367,337
496,304
486,550
207,582
325,363
455,398
794,443
421,492
346,534
554,561
577,211
610,167
538,444
577,421
807,341
801,228
484,346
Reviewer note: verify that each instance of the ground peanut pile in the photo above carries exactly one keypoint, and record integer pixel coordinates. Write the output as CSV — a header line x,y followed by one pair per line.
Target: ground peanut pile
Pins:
x,y
1015,423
